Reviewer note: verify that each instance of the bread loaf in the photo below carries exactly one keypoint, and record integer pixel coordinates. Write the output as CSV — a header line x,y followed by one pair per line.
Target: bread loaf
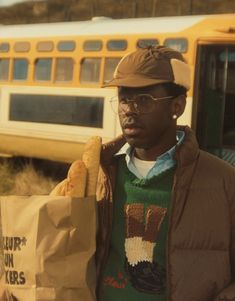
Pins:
x,y
82,175
77,178
91,159
60,188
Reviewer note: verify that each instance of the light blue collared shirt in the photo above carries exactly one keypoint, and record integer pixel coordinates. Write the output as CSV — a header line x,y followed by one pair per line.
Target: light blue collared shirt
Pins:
x,y
163,162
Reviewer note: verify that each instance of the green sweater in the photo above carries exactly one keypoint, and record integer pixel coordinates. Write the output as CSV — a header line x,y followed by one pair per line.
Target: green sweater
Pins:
x,y
136,266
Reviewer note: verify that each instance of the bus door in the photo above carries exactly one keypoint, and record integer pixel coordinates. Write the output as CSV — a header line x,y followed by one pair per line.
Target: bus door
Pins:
x,y
214,117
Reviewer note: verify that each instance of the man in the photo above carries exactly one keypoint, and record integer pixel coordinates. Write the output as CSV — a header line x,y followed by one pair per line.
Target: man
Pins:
x,y
166,208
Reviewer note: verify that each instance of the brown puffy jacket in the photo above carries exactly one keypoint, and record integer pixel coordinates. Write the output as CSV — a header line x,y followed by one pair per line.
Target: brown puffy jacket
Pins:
x,y
201,236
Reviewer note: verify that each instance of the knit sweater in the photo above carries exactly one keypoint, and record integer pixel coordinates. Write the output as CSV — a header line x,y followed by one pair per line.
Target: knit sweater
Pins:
x,y
136,267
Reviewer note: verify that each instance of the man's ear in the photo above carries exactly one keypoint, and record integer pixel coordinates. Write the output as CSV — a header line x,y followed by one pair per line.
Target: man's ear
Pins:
x,y
178,105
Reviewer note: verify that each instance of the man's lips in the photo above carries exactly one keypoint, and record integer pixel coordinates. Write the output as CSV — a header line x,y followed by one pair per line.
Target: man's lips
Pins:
x,y
132,128
132,131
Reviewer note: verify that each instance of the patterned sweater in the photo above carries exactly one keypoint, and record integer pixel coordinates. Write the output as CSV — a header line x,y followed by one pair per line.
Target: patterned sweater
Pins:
x,y
136,267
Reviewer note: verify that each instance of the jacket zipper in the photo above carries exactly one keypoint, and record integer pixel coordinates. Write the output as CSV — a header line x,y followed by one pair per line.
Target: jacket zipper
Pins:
x,y
169,235
109,231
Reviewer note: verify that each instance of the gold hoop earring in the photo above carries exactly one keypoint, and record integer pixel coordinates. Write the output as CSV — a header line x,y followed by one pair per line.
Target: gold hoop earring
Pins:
x,y
174,116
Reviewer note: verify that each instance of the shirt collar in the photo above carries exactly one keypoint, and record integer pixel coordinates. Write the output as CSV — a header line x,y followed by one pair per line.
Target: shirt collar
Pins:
x,y
127,149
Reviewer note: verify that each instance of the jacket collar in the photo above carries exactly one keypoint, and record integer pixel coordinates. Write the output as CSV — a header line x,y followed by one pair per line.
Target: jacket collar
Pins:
x,y
188,151
185,153
110,149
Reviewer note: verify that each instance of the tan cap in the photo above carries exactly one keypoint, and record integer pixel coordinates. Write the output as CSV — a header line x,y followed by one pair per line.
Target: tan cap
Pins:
x,y
149,66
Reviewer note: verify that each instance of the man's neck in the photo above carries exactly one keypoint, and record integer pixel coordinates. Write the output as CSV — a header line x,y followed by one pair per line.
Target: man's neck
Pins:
x,y
152,153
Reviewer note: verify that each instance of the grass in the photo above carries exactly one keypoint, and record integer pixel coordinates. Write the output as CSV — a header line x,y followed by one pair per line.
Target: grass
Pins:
x,y
24,179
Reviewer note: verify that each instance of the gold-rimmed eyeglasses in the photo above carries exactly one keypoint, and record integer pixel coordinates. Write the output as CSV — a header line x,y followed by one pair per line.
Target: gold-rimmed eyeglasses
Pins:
x,y
141,103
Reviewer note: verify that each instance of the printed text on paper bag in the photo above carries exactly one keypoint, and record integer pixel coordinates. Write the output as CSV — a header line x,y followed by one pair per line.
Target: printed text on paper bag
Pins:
x,y
10,246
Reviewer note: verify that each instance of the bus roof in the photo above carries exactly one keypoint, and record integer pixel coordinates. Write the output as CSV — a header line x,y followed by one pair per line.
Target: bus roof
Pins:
x,y
101,26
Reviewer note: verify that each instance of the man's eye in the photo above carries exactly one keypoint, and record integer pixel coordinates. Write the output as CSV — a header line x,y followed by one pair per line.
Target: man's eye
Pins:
x,y
143,98
122,101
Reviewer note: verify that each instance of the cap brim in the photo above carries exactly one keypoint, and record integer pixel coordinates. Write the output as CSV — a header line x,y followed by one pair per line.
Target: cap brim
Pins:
x,y
134,82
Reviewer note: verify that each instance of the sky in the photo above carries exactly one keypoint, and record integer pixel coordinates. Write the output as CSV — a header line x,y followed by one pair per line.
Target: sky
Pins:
x,y
10,2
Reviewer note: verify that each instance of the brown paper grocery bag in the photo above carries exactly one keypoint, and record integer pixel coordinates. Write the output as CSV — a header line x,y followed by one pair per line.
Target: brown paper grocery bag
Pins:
x,y
49,246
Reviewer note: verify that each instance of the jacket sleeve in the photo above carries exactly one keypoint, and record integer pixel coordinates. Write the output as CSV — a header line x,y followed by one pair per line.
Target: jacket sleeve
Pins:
x,y
228,294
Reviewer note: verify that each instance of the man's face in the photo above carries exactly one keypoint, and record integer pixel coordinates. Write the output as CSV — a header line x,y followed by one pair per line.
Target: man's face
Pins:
x,y
145,130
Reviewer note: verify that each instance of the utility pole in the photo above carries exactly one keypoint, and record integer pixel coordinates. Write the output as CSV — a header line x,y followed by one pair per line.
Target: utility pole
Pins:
x,y
154,4
134,8
191,7
179,7
94,6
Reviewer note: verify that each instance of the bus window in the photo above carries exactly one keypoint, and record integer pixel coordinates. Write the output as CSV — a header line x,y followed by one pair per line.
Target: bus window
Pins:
x,y
180,45
117,45
143,43
92,45
4,69
22,47
43,69
45,46
70,110
4,47
66,46
90,70
20,69
64,69
109,67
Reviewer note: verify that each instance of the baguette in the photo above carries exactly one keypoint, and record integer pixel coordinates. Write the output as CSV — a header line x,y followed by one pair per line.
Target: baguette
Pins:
x,y
76,179
91,159
75,183
60,188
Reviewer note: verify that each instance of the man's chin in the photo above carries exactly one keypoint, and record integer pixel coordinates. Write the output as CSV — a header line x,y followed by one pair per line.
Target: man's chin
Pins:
x,y
135,141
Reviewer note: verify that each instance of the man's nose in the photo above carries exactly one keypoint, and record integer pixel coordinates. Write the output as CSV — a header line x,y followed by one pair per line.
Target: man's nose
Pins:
x,y
131,108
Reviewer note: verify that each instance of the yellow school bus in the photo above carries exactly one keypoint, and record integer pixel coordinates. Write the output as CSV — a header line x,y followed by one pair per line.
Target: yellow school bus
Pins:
x,y
51,100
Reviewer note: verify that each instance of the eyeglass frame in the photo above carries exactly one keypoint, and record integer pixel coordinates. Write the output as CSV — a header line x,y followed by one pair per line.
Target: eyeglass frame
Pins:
x,y
115,99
